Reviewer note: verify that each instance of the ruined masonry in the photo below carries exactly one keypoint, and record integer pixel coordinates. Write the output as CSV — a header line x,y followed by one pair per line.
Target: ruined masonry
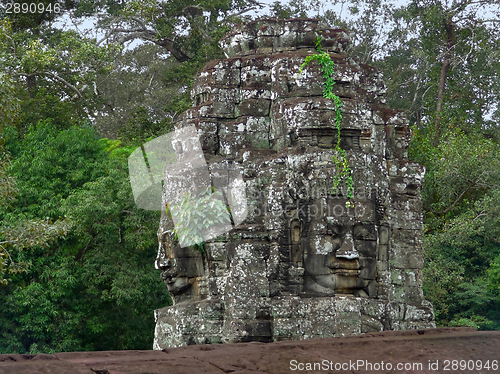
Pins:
x,y
307,262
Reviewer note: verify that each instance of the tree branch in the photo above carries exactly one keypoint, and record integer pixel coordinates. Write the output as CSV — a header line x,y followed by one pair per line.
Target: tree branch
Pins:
x,y
169,45
244,11
149,35
78,92
8,254
145,35
449,27
459,7
80,254
490,20
457,200
65,82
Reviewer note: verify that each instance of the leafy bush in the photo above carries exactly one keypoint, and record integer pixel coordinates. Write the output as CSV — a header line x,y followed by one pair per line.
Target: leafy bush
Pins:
x,y
96,287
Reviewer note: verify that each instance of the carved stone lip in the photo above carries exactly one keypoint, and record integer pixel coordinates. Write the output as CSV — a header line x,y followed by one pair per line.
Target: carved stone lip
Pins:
x,y
167,277
170,283
345,272
345,265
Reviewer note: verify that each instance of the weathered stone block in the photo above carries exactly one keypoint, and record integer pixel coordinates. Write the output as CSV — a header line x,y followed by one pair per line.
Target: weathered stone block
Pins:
x,y
254,107
246,330
369,324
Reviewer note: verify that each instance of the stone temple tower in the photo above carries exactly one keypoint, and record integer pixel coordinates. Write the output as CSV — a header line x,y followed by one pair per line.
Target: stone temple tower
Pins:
x,y
297,259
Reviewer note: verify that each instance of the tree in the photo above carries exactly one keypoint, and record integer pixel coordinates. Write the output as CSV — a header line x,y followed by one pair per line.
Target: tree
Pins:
x,y
461,272
135,100
58,69
188,32
9,103
462,46
186,29
95,287
461,171
9,116
17,236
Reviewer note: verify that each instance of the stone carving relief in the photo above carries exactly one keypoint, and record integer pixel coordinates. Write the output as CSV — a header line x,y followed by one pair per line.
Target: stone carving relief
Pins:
x,y
294,261
341,251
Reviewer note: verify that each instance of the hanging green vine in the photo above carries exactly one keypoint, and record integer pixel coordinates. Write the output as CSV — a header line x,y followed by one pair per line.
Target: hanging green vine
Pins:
x,y
327,68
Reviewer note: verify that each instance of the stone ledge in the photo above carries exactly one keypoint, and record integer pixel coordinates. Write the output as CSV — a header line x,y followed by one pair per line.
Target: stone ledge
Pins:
x,y
412,346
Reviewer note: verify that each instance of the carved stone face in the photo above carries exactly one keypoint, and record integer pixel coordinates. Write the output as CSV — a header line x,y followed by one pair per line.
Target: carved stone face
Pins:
x,y
181,269
341,255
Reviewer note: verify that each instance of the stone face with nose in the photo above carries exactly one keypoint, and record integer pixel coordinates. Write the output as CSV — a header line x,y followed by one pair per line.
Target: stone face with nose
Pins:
x,y
347,250
181,268
341,257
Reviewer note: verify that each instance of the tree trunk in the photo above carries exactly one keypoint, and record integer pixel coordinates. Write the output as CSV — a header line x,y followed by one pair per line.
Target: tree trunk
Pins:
x,y
442,78
31,83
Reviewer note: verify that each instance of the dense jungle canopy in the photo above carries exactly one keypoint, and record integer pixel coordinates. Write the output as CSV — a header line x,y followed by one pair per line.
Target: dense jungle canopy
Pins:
x,y
76,254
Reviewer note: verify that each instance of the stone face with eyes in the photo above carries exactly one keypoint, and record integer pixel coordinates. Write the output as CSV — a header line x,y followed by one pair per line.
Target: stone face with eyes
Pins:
x,y
341,255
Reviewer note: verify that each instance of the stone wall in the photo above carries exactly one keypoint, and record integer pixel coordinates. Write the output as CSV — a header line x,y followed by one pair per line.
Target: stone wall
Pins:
x,y
303,263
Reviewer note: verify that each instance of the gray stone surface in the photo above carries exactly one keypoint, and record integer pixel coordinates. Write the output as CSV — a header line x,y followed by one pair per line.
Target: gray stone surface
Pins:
x,y
302,264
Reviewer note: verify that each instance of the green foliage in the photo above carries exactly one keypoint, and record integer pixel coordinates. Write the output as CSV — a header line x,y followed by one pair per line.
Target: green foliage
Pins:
x,y
57,69
494,277
461,198
135,106
21,232
8,188
456,279
50,164
35,232
477,322
9,103
472,78
104,303
142,125
294,9
116,149
184,35
24,235
47,105
90,283
460,171
328,68
197,215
